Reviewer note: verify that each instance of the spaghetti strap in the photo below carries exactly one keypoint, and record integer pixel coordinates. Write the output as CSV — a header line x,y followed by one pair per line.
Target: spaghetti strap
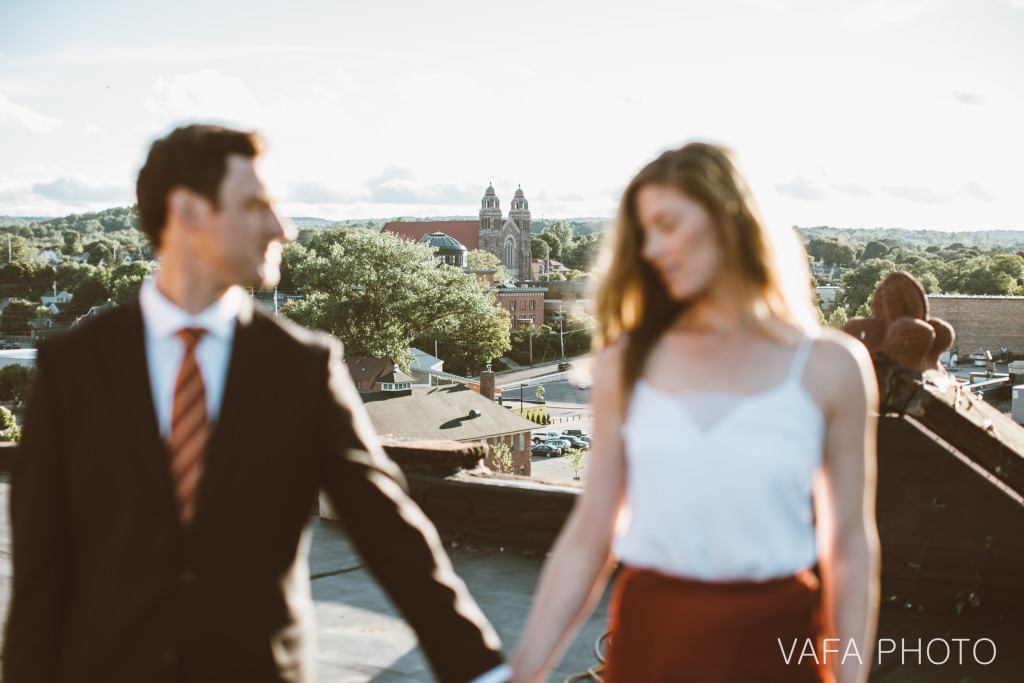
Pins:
x,y
803,350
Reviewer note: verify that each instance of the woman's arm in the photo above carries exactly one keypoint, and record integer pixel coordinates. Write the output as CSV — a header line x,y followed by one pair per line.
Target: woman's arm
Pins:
x,y
575,574
845,505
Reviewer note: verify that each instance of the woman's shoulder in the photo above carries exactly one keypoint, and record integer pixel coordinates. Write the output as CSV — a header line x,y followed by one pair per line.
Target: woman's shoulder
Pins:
x,y
832,346
839,363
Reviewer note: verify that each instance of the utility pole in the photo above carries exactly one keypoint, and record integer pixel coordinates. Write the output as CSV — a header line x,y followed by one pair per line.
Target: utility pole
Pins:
x,y
561,329
9,257
522,391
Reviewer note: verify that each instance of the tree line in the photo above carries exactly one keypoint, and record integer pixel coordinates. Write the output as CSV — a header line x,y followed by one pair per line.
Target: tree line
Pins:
x,y
952,268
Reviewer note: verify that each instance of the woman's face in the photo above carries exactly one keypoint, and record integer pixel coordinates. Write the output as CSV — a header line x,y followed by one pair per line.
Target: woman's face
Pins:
x,y
680,240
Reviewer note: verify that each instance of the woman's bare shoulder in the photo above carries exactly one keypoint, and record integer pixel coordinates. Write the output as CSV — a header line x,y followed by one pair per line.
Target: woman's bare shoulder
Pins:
x,y
840,363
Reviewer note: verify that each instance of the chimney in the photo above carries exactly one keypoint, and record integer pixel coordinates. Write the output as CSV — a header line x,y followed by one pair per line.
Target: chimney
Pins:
x,y
487,383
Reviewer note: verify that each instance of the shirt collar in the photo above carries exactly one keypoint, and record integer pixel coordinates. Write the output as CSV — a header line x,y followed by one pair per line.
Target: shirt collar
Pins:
x,y
163,318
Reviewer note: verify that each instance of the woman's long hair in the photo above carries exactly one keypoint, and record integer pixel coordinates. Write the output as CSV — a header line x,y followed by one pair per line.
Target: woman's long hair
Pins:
x,y
769,267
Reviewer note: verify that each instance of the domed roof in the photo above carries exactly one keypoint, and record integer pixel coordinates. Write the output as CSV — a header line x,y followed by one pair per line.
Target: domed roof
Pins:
x,y
519,193
443,243
490,191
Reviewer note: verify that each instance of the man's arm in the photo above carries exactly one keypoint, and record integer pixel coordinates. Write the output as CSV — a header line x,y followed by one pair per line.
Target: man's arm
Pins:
x,y
39,539
397,541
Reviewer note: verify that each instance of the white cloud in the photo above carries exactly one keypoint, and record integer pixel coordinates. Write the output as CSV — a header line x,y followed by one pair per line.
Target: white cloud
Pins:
x,y
1019,4
767,4
91,129
879,14
209,95
14,114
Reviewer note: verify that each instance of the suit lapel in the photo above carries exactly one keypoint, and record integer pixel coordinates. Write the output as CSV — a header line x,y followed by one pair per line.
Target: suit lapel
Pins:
x,y
145,447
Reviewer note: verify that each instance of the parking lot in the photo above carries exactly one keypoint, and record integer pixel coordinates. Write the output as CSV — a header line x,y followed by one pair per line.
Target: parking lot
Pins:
x,y
569,408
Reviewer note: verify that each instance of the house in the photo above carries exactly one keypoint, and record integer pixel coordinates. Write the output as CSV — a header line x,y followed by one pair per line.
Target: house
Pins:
x,y
62,297
453,412
51,257
81,257
376,375
541,266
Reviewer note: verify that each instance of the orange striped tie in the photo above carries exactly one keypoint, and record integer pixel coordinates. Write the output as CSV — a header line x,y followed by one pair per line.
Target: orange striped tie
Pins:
x,y
189,425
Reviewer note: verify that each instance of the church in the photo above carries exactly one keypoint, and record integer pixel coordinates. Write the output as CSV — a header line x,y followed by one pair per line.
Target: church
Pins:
x,y
507,238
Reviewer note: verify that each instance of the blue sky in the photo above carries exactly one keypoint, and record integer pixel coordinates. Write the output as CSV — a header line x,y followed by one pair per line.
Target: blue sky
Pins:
x,y
860,113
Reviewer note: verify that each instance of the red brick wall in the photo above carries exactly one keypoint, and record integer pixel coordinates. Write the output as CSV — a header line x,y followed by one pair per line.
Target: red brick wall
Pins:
x,y
986,322
523,310
520,458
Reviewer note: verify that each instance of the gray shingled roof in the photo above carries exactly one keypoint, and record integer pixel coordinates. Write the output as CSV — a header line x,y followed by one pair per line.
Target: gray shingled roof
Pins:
x,y
442,413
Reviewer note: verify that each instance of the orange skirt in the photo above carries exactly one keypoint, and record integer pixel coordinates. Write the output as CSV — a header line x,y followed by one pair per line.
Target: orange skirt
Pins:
x,y
666,630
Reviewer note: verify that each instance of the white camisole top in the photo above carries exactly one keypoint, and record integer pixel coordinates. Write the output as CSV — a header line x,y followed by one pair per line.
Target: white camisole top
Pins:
x,y
722,499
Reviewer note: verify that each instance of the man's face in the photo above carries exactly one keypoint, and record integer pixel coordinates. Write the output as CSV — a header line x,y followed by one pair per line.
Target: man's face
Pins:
x,y
242,238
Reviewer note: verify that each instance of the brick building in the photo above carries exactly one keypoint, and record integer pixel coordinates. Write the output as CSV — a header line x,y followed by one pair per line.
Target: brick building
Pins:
x,y
508,238
523,305
986,322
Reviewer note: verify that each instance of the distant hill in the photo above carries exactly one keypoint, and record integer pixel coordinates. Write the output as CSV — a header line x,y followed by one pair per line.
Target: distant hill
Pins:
x,y
985,239
21,220
121,223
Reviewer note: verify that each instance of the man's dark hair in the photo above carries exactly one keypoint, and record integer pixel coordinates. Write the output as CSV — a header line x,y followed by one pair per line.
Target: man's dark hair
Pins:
x,y
193,156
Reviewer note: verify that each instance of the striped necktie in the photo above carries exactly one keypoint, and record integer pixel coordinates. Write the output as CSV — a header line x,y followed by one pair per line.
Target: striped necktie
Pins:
x,y
189,425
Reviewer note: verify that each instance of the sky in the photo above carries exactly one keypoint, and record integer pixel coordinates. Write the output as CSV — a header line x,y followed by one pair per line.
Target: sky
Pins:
x,y
858,113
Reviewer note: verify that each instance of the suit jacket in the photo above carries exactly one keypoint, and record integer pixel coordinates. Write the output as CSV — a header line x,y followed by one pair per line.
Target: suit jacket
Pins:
x,y
110,588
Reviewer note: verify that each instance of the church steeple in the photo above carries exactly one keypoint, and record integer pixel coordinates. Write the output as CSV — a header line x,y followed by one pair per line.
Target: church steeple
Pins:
x,y
520,211
490,210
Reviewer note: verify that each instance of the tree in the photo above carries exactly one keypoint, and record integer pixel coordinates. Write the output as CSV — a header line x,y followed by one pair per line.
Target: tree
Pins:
x,y
874,249
574,461
816,248
539,392
478,259
126,279
836,253
15,380
92,292
72,242
502,458
377,293
837,318
71,274
539,247
18,251
15,317
1011,264
859,285
98,251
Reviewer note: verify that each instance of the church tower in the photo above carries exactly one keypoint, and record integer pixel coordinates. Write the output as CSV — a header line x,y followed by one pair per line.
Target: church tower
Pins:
x,y
520,215
490,211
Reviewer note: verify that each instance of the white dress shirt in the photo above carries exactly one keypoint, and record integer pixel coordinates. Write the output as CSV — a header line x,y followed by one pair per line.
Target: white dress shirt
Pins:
x,y
162,319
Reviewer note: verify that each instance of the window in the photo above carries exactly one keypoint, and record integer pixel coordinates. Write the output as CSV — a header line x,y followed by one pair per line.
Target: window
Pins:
x,y
522,469
512,305
522,441
532,302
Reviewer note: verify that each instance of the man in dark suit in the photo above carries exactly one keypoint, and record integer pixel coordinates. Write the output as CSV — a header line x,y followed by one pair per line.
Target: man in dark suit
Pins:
x,y
172,448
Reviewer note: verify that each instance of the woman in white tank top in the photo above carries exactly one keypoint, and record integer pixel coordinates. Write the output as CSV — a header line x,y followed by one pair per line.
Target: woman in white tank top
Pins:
x,y
734,452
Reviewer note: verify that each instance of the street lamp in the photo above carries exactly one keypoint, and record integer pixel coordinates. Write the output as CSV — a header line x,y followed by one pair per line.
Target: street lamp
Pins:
x,y
522,392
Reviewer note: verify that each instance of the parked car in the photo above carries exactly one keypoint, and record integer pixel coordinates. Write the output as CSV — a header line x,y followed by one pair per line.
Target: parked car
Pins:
x,y
579,434
577,442
544,436
565,365
4,345
560,443
545,449
583,385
